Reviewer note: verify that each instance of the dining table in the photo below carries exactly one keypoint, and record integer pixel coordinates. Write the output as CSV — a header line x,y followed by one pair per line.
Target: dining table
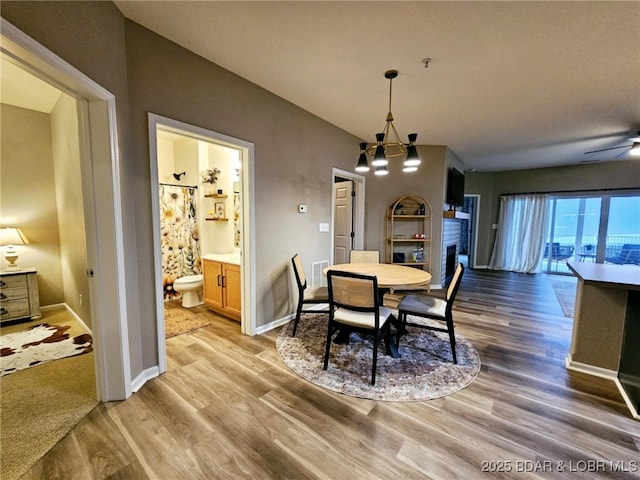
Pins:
x,y
390,277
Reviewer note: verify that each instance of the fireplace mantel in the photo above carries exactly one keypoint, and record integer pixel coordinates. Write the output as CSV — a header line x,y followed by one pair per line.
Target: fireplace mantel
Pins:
x,y
452,214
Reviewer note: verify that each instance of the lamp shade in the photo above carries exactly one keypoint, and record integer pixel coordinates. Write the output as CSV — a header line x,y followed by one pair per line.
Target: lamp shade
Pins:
x,y
635,149
363,165
379,159
12,236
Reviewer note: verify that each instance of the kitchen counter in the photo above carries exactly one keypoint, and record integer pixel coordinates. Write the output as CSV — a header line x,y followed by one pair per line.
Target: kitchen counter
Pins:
x,y
231,258
606,326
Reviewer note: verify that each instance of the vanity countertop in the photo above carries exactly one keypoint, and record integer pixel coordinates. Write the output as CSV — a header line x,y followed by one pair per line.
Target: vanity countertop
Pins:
x,y
232,258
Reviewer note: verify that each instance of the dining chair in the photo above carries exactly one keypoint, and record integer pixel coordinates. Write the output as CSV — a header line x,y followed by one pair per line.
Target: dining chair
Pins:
x,y
364,256
423,306
354,306
306,295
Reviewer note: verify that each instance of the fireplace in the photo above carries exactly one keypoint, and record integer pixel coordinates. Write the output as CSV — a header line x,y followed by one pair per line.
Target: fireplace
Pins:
x,y
450,263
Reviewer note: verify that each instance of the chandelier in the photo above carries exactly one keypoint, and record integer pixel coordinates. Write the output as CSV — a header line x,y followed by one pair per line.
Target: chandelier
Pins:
x,y
388,144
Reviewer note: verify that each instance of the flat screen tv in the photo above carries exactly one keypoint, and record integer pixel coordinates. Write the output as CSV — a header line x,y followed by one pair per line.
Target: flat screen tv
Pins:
x,y
455,188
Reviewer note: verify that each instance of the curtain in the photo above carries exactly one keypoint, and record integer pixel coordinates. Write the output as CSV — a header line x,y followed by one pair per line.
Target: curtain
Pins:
x,y
522,228
179,236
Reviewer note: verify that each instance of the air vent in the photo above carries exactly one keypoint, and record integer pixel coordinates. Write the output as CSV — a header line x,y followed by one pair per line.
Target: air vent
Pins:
x,y
317,278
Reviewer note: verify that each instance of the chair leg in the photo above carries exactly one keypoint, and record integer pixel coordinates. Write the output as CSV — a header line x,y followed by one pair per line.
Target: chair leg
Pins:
x,y
374,360
452,340
327,346
298,313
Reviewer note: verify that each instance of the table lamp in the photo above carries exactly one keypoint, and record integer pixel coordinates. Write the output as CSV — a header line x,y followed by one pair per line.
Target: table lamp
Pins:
x,y
9,237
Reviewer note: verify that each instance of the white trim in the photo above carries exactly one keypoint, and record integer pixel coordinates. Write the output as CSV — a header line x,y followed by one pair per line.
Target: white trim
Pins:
x,y
246,149
634,413
70,311
144,377
589,369
100,175
602,373
475,221
275,324
359,188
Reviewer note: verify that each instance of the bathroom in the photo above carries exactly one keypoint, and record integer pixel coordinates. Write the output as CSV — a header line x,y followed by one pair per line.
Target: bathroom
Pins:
x,y
199,200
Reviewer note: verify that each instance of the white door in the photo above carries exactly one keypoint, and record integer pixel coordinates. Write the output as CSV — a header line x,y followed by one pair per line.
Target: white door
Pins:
x,y
343,221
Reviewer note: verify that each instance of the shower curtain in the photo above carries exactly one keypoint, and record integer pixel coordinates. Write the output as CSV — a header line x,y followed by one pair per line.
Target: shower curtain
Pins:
x,y
179,236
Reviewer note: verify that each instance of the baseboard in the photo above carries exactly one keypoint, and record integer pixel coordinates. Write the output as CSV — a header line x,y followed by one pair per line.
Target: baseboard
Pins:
x,y
602,373
69,310
144,377
275,324
590,369
627,400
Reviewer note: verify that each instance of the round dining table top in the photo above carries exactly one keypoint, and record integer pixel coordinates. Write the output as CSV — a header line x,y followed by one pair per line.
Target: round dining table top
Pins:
x,y
389,275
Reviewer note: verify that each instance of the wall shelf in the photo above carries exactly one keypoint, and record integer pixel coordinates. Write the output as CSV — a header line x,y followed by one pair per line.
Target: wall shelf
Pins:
x,y
456,215
215,195
406,217
217,219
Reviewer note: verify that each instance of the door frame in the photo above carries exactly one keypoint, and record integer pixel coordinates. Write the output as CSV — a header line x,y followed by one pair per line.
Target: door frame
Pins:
x,y
248,320
97,125
358,217
474,219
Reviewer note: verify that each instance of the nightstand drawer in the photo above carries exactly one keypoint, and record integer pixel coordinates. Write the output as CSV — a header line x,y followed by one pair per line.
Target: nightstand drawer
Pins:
x,y
15,309
13,281
9,294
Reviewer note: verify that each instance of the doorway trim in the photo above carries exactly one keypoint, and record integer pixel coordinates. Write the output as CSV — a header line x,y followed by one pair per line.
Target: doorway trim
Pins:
x,y
103,210
474,219
246,149
358,218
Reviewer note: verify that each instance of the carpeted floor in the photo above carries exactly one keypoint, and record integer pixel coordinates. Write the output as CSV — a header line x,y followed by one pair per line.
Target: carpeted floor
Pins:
x,y
424,372
41,404
566,294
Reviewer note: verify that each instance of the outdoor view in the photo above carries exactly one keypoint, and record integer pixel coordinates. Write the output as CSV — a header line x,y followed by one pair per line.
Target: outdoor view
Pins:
x,y
576,233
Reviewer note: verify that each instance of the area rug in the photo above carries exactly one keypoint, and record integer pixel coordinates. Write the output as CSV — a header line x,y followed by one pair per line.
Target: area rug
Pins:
x,y
425,370
40,344
178,321
566,294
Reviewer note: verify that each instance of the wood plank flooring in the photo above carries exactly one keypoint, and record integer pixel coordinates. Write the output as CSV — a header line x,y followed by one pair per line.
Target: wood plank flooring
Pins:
x,y
228,408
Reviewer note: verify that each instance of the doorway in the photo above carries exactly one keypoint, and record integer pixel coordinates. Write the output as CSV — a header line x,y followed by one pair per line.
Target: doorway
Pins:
x,y
102,207
231,161
347,214
469,231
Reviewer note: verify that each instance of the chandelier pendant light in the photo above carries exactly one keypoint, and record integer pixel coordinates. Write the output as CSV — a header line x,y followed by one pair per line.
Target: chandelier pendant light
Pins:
x,y
388,144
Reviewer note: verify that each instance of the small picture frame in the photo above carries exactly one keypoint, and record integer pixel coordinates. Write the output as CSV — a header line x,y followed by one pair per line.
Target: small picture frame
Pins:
x,y
219,210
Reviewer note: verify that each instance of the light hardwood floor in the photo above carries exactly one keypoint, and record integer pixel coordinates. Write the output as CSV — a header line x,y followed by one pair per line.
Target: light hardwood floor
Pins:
x,y
228,408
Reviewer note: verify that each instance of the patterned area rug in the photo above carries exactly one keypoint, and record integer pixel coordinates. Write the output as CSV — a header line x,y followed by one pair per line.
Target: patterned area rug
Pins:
x,y
566,294
40,344
424,372
178,321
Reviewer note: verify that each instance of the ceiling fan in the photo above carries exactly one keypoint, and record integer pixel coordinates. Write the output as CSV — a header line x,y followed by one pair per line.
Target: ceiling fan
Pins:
x,y
633,149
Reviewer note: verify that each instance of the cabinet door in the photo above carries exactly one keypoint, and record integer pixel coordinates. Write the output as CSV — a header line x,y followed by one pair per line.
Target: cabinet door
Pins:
x,y
212,280
232,290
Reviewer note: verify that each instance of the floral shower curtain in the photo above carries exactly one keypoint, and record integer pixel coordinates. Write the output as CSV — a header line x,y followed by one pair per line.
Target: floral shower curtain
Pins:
x,y
179,236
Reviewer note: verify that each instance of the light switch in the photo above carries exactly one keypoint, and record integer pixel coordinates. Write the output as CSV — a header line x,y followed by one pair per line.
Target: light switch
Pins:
x,y
302,208
324,227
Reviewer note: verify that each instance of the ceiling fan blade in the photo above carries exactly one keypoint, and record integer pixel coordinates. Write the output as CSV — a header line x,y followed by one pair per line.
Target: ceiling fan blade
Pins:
x,y
605,149
620,154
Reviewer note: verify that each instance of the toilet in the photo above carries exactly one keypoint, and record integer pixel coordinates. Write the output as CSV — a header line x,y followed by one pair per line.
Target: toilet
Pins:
x,y
191,289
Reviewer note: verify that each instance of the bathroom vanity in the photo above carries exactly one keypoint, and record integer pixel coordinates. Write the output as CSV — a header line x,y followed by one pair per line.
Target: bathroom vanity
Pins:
x,y
222,285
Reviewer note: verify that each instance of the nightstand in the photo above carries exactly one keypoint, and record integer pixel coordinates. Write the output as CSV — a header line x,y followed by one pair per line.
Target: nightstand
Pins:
x,y
19,298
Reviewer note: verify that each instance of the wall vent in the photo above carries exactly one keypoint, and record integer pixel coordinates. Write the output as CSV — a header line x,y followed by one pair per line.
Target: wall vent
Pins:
x,y
317,278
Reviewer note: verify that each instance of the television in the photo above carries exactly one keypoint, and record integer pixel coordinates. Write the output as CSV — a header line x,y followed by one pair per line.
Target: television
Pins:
x,y
455,188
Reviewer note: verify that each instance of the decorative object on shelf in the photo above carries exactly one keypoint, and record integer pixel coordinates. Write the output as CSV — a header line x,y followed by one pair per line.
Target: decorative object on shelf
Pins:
x,y
388,144
408,232
178,175
219,210
10,237
210,176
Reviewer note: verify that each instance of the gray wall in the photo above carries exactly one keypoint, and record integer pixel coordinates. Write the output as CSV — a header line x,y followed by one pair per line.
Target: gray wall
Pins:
x,y
294,150
579,178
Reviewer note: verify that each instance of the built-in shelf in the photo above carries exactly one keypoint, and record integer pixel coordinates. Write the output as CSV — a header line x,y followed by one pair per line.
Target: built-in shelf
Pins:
x,y
217,219
457,215
215,195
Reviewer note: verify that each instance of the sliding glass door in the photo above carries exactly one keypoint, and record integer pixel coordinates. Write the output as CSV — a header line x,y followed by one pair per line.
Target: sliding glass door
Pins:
x,y
592,228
